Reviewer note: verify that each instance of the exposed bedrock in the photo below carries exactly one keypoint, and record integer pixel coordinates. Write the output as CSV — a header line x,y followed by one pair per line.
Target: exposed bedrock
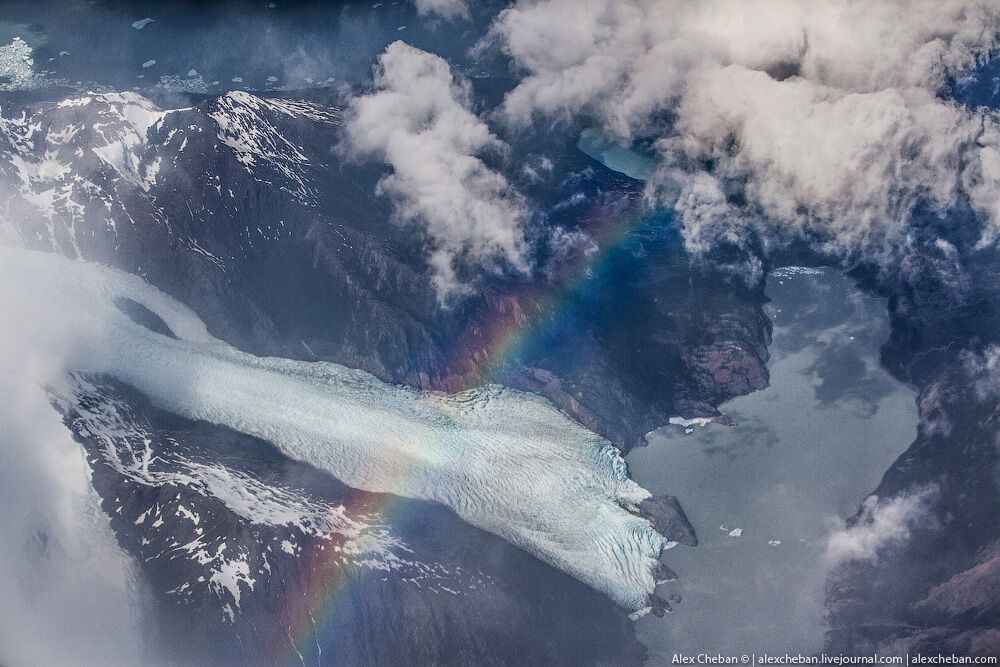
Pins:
x,y
669,520
936,590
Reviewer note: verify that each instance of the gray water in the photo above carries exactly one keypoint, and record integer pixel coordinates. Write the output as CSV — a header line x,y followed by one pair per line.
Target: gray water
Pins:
x,y
764,495
612,155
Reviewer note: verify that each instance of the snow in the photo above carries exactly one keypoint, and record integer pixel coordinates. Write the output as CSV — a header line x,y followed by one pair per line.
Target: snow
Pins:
x,y
230,573
687,422
505,461
74,102
188,514
122,150
126,448
45,171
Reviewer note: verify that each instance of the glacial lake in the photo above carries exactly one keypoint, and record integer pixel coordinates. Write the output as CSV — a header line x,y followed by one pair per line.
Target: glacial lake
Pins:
x,y
764,494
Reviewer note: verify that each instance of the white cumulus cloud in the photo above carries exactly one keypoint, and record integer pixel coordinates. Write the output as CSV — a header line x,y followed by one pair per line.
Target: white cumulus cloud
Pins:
x,y
821,119
883,523
984,368
70,595
418,120
446,9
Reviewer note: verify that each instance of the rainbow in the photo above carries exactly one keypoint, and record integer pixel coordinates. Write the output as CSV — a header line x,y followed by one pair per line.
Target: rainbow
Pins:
x,y
533,313
483,353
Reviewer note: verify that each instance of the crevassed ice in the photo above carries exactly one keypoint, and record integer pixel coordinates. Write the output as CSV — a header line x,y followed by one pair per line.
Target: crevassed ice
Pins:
x,y
507,462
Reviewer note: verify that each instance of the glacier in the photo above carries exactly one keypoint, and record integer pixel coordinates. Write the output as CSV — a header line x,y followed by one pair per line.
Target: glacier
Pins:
x,y
505,461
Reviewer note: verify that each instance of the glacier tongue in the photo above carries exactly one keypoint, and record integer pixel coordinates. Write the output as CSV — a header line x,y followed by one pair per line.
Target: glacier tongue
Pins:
x,y
505,461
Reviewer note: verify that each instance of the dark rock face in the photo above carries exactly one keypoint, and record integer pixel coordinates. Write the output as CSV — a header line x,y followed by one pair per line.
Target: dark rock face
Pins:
x,y
667,516
936,592
973,592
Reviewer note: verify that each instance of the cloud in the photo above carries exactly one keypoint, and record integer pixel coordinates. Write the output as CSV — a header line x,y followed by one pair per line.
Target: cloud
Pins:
x,y
882,524
418,120
795,158
984,369
446,9
774,119
71,596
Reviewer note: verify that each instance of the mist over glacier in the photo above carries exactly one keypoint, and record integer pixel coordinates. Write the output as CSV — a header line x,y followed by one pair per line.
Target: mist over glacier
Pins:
x,y
507,462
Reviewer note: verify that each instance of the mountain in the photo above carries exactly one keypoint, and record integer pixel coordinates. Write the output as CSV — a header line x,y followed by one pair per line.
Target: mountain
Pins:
x,y
241,207
936,592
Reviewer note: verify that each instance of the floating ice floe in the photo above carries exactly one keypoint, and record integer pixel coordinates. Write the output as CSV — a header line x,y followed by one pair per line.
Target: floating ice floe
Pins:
x,y
148,64
178,84
687,422
16,64
142,23
790,271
